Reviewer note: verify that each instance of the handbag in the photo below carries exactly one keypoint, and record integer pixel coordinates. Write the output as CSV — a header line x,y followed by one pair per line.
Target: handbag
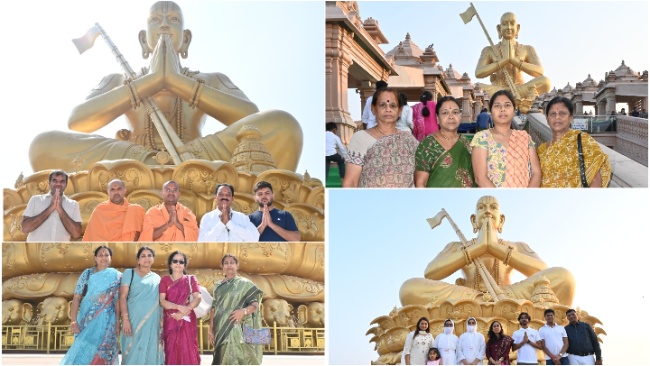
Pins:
x,y
581,159
256,336
204,306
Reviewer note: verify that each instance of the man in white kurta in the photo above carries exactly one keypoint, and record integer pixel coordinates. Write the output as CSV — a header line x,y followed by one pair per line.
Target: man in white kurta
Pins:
x,y
446,343
526,342
52,216
471,345
224,224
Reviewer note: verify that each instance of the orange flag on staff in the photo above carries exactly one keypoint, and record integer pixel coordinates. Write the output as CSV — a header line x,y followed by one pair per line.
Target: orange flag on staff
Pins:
x,y
436,220
84,43
468,14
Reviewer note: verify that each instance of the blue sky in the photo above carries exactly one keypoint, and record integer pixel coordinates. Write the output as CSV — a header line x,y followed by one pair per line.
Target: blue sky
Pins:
x,y
572,38
379,238
273,51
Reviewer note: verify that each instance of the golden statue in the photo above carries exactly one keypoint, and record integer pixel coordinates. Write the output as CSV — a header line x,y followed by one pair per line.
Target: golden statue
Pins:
x,y
506,62
180,97
484,292
495,259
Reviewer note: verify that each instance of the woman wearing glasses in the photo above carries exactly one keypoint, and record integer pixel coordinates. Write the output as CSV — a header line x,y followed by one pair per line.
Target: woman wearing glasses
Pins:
x,y
382,156
443,159
559,157
140,309
179,321
501,156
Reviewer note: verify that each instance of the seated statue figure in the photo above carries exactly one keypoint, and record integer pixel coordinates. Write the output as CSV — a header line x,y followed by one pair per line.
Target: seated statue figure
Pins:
x,y
497,256
516,59
183,96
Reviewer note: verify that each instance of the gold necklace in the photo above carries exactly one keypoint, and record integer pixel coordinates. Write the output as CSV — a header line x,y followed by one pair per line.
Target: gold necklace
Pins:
x,y
446,138
494,132
385,134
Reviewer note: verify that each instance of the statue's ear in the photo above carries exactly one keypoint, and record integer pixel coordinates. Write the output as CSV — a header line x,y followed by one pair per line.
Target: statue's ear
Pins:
x,y
187,39
142,38
502,221
518,28
499,30
472,219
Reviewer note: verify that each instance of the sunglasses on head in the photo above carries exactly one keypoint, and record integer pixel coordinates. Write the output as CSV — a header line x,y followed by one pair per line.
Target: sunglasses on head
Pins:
x,y
176,261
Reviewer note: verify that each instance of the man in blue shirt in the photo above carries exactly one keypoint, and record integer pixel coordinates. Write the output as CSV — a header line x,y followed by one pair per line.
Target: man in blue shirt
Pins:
x,y
483,120
583,342
272,224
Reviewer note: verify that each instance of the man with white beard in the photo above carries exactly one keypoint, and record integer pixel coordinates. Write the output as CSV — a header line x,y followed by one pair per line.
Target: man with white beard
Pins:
x,y
446,343
471,345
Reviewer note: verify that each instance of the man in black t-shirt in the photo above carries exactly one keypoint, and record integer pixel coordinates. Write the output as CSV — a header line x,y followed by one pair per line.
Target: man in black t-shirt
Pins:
x,y
272,224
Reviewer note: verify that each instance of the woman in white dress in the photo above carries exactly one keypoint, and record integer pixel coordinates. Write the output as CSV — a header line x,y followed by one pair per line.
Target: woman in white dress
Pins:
x,y
446,343
417,345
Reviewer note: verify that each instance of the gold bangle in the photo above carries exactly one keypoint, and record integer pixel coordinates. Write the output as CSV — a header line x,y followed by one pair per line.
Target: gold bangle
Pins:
x,y
506,260
196,92
71,323
135,100
521,62
468,259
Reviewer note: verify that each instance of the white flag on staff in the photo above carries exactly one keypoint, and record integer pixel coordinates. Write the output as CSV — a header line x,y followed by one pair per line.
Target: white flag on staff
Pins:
x,y
84,43
436,220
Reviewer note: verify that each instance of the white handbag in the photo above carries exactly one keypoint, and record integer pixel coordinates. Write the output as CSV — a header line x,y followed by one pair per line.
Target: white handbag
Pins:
x,y
206,300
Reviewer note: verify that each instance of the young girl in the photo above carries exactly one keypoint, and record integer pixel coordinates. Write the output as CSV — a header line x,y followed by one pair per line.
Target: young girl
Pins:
x,y
434,357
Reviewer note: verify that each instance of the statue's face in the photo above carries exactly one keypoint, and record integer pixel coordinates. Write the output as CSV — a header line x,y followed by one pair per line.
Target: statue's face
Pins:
x,y
509,28
165,18
487,207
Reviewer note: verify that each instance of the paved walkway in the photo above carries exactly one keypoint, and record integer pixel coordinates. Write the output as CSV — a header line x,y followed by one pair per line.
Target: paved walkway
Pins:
x,y
54,359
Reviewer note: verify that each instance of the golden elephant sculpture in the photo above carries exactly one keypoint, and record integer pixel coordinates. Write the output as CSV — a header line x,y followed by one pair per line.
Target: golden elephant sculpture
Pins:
x,y
16,312
278,311
312,315
54,310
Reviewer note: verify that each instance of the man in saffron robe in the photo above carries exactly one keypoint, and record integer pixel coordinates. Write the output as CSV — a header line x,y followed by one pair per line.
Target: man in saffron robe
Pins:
x,y
115,219
170,220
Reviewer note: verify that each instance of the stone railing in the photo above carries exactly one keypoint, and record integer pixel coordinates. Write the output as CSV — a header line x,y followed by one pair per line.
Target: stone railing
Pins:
x,y
626,172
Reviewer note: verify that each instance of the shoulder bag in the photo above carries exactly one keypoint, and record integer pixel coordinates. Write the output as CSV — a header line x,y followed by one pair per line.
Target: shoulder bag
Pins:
x,y
206,300
581,159
256,336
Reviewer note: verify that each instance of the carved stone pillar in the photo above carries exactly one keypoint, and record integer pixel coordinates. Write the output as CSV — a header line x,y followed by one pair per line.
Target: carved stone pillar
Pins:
x,y
578,107
337,64
611,101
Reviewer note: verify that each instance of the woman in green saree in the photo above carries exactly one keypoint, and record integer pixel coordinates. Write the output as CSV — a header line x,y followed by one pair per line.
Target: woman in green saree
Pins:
x,y
443,159
236,300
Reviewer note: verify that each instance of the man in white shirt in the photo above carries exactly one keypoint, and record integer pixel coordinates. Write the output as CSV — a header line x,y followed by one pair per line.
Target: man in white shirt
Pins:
x,y
471,345
52,216
332,144
526,342
554,340
225,225
405,121
368,118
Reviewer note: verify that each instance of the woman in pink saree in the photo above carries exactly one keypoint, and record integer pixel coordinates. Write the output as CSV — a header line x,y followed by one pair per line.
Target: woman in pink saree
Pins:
x,y
179,321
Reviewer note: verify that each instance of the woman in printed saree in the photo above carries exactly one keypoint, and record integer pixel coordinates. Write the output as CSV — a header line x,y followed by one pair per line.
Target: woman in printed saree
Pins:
x,y
501,156
443,159
559,157
382,156
179,321
236,300
94,310
141,313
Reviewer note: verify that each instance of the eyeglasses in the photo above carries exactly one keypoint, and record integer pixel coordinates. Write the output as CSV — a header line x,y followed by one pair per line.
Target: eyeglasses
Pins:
x,y
502,106
450,112
561,114
176,261
387,105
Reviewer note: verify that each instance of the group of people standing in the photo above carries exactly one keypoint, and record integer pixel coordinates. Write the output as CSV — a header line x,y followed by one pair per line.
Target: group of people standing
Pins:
x,y
154,316
384,155
573,344
55,217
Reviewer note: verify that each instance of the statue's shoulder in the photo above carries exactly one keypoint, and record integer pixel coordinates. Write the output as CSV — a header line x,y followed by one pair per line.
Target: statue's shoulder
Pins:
x,y
520,246
108,82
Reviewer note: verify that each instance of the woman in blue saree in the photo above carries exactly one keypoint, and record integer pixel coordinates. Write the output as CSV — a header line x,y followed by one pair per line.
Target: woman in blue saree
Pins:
x,y
141,313
236,300
94,309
